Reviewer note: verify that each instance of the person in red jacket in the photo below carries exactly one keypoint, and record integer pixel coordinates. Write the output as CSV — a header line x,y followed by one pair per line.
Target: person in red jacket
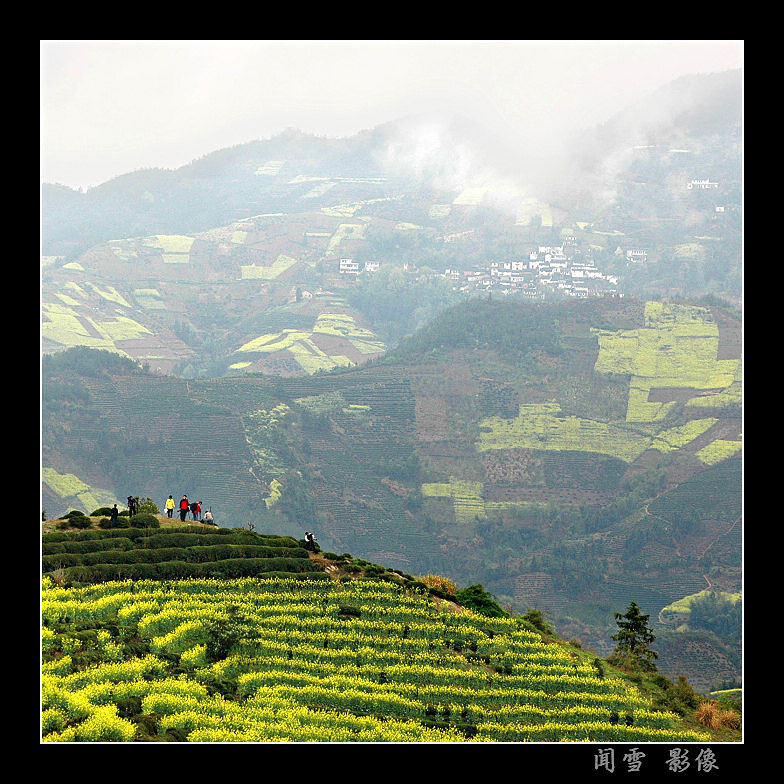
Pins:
x,y
183,508
198,510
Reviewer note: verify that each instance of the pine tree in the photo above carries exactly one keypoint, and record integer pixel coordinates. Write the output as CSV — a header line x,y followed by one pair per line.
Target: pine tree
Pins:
x,y
633,638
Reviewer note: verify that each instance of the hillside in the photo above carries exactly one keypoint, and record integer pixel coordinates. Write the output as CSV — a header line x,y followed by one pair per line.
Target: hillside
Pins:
x,y
347,651
572,457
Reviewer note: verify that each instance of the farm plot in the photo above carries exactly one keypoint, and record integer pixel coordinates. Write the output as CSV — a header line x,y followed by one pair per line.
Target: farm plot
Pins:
x,y
395,668
63,325
677,347
345,232
149,299
335,340
531,208
541,426
466,498
471,502
270,168
268,272
175,248
719,450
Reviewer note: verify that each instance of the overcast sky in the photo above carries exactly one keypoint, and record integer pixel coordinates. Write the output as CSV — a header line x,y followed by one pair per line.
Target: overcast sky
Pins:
x,y
110,107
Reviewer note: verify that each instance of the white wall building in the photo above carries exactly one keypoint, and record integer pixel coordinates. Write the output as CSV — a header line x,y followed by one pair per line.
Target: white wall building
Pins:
x,y
348,267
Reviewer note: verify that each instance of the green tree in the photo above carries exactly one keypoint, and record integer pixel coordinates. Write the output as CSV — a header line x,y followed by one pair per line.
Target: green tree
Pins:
x,y
476,598
633,638
148,506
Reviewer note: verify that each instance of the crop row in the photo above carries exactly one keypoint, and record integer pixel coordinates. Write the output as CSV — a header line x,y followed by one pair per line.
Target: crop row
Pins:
x,y
321,661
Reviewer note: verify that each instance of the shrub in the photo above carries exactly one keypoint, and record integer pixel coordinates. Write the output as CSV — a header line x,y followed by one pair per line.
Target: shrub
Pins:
x,y
103,511
441,583
684,694
476,598
81,522
538,621
225,632
712,715
106,522
72,513
145,520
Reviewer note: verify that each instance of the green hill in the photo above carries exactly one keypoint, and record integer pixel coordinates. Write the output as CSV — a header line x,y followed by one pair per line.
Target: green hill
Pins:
x,y
348,651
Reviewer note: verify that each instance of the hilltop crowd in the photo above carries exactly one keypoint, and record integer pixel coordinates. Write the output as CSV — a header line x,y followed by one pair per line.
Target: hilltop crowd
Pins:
x,y
185,506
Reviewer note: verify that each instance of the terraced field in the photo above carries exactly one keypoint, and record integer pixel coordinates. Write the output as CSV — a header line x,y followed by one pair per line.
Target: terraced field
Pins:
x,y
335,340
173,552
315,660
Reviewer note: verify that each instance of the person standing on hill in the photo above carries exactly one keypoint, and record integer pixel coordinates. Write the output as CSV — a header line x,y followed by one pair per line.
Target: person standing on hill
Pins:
x,y
193,509
169,506
131,506
198,510
113,515
184,508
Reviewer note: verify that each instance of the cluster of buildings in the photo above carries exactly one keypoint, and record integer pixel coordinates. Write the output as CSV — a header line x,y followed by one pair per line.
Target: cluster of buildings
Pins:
x,y
351,267
702,185
549,270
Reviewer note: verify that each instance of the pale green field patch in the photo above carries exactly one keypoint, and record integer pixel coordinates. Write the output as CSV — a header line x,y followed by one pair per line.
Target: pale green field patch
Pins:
x,y
540,426
440,210
279,266
677,347
110,295
684,605
677,437
346,231
270,168
719,450
170,243
64,485
121,329
471,197
319,190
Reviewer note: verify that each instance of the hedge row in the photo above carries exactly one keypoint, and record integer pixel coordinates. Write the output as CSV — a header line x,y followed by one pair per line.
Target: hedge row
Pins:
x,y
89,536
177,570
158,555
200,536
201,540
117,543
